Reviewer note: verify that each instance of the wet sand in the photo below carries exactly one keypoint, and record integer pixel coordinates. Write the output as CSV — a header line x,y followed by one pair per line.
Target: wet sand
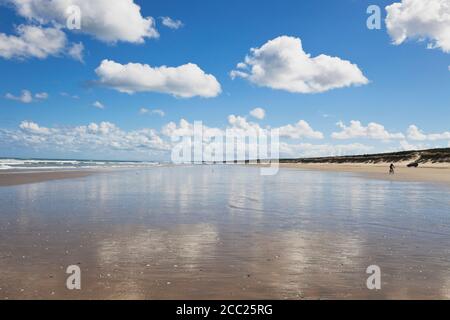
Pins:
x,y
13,178
430,173
203,232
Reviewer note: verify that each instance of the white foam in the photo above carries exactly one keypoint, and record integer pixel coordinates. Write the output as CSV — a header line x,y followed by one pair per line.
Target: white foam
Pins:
x,y
16,164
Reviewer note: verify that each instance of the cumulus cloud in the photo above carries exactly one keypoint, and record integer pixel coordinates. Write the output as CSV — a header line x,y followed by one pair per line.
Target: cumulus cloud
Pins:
x,y
185,128
109,21
26,96
34,128
372,131
98,105
240,126
185,81
418,19
37,42
414,133
258,113
282,64
94,137
171,23
300,130
407,146
106,136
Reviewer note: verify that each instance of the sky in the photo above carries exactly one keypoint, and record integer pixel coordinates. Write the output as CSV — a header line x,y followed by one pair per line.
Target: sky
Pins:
x,y
135,73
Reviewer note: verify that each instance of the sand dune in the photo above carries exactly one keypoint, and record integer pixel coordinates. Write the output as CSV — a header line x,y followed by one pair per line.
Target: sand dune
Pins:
x,y
432,165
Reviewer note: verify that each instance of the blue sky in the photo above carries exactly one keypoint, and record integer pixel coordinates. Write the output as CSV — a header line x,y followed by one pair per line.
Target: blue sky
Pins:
x,y
408,83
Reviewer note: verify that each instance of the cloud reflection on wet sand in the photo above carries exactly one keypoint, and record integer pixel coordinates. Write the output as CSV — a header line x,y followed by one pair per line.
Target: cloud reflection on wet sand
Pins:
x,y
224,232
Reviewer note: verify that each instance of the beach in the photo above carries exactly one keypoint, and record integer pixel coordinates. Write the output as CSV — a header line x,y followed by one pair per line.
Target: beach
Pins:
x,y
437,173
429,173
12,178
224,232
175,150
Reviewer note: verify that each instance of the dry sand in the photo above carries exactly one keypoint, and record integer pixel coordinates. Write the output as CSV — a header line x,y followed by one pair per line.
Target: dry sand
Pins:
x,y
429,173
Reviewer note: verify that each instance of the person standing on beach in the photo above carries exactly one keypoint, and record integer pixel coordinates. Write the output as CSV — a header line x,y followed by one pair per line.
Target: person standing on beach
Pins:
x,y
391,169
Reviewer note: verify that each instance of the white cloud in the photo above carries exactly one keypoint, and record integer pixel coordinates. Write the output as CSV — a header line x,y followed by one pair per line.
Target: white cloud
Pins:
x,y
76,51
26,96
170,23
41,95
106,20
158,112
37,42
172,130
258,113
98,105
106,136
322,150
406,146
185,81
185,128
239,126
34,128
282,64
372,131
95,137
419,19
414,133
300,130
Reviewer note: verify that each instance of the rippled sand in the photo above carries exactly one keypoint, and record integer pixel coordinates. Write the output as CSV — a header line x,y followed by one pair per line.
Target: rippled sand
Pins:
x,y
224,232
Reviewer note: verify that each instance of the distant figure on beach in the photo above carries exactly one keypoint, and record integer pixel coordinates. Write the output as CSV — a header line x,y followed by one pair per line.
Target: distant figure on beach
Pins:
x,y
391,169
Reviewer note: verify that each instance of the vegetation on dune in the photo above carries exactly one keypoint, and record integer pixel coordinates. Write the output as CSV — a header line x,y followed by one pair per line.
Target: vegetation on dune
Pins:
x,y
415,156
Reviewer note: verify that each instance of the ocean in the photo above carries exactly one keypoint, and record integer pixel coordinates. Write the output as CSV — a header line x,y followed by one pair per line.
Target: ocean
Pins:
x,y
38,164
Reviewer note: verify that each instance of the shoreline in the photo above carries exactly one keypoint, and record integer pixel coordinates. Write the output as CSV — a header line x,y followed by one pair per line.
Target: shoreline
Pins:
x,y
431,173
155,234
428,173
